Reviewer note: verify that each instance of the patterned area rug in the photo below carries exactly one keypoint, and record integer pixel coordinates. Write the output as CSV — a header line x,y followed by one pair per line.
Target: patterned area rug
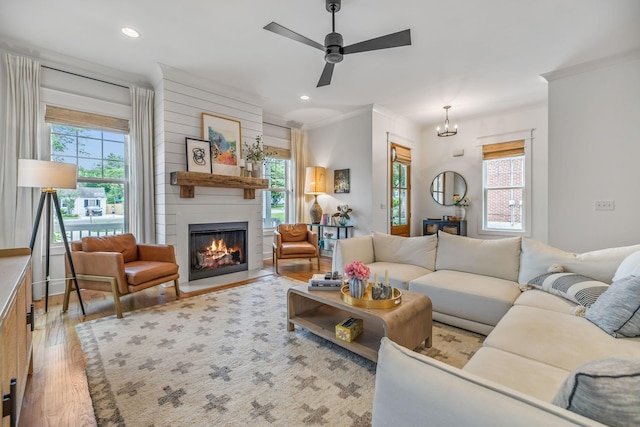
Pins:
x,y
226,359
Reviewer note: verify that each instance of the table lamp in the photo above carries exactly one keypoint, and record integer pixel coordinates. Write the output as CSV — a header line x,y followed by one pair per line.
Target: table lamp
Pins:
x,y
315,183
48,176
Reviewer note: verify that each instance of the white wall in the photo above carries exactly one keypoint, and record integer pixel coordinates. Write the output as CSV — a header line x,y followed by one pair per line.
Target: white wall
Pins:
x,y
360,142
180,101
435,155
594,148
345,144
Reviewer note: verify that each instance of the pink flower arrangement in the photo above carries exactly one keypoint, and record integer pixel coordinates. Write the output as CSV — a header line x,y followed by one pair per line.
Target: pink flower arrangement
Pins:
x,y
357,270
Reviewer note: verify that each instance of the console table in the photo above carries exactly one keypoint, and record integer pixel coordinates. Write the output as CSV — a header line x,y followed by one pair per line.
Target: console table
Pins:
x,y
431,226
346,229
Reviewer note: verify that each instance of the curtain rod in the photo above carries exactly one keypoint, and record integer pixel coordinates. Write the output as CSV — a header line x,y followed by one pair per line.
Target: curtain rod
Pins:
x,y
86,77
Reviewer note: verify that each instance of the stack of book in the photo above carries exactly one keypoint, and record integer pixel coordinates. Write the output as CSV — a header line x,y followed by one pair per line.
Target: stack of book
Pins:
x,y
326,282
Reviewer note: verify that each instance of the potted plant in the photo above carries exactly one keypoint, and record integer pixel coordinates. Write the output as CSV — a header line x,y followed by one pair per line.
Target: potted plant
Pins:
x,y
343,214
256,155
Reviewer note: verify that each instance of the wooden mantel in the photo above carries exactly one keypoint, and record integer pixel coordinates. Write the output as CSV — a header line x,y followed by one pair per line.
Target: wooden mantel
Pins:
x,y
189,180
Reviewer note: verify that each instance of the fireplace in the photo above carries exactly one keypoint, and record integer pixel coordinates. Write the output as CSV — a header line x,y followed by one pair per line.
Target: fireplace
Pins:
x,y
216,249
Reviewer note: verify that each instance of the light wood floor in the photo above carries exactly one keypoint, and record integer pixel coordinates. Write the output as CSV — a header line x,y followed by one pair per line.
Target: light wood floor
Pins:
x,y
57,392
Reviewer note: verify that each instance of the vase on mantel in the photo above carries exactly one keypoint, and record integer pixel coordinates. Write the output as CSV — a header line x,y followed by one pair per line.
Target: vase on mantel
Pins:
x,y
256,170
460,212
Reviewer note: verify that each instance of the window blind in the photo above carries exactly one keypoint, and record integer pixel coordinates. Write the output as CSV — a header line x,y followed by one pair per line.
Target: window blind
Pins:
x,y
403,154
65,116
503,149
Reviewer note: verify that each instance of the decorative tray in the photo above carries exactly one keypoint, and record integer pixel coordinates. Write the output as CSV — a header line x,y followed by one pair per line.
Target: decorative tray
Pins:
x,y
367,302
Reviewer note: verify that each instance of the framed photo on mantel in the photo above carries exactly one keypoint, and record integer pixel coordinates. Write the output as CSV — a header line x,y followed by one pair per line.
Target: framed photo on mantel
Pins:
x,y
198,155
224,136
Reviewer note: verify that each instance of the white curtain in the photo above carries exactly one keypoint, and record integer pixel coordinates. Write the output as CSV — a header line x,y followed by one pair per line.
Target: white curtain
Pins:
x,y
20,142
141,178
299,162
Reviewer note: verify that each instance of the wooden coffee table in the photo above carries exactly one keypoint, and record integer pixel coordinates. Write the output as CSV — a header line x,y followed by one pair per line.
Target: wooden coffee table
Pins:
x,y
408,324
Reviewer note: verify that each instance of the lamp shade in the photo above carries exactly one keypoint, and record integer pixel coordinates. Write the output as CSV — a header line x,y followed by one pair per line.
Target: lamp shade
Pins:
x,y
315,181
45,174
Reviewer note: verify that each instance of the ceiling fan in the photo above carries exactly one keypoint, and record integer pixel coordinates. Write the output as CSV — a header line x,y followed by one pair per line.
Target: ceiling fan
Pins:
x,y
333,48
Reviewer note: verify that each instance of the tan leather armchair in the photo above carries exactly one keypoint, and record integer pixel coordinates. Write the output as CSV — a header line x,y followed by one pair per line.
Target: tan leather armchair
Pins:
x,y
119,265
294,241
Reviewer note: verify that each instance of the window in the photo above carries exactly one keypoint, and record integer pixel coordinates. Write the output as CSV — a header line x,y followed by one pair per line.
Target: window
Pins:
x,y
98,205
400,190
278,198
504,186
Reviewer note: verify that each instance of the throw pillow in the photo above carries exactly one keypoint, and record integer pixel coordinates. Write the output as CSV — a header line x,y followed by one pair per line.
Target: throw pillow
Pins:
x,y
629,267
574,287
617,311
604,390
600,264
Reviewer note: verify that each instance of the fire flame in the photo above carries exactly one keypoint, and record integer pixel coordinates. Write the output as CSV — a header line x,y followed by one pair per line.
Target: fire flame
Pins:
x,y
218,246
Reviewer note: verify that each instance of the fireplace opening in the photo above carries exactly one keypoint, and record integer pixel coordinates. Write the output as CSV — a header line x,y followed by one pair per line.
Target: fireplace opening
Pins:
x,y
216,249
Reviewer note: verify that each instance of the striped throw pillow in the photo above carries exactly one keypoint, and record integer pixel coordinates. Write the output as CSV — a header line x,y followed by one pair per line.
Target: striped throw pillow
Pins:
x,y
572,286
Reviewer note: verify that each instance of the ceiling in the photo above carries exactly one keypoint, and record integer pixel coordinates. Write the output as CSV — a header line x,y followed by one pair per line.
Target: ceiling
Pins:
x,y
478,56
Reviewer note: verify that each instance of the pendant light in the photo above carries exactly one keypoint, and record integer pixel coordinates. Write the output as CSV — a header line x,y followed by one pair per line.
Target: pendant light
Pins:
x,y
446,131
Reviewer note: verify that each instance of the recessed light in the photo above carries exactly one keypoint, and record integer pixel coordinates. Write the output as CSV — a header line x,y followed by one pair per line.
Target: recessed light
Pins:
x,y
130,32
304,97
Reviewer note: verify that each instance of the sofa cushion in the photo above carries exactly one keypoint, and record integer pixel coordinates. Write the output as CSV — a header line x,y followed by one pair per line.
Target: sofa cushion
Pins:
x,y
496,258
420,251
604,390
399,274
572,286
482,299
138,272
123,243
293,232
544,300
601,264
558,339
630,266
529,376
617,311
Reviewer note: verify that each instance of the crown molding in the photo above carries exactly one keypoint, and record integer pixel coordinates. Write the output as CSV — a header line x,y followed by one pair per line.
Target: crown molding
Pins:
x,y
607,61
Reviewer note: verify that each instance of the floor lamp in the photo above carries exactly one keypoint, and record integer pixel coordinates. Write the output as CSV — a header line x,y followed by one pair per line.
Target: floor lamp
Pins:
x,y
48,176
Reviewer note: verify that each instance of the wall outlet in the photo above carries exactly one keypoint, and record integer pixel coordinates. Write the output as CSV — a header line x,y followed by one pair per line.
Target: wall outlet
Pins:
x,y
605,205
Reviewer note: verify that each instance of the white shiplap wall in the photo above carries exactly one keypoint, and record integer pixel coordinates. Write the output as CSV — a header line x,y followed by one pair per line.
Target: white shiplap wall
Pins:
x,y
180,101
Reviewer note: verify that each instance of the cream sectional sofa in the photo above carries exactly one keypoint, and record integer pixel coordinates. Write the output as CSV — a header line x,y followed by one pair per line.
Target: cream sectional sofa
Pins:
x,y
534,340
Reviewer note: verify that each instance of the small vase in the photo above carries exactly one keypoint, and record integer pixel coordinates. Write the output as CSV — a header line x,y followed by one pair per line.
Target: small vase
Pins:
x,y
357,287
342,221
460,212
256,172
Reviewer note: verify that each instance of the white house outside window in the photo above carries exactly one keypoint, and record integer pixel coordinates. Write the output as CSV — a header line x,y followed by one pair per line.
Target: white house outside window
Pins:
x,y
98,206
504,187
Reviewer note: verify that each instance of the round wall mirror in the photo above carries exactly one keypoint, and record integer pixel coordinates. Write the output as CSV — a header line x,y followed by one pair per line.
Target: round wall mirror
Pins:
x,y
445,185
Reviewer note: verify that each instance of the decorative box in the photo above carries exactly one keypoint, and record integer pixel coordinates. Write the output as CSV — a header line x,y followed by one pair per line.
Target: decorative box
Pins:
x,y
349,329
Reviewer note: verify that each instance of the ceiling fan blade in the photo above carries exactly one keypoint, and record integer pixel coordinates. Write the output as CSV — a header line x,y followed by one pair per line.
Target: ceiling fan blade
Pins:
x,y
279,29
401,38
325,78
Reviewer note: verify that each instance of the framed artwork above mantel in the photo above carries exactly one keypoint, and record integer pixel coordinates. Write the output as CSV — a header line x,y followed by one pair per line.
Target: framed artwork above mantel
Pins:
x,y
224,136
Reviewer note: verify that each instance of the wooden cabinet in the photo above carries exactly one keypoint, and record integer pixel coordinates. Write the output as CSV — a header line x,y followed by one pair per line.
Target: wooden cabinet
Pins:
x,y
431,226
16,319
